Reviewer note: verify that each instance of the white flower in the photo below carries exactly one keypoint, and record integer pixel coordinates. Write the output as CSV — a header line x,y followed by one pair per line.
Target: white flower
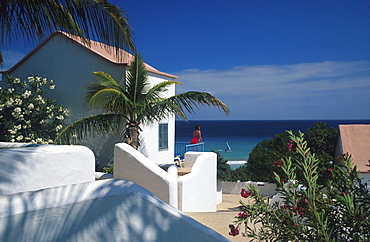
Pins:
x,y
9,103
12,131
48,109
59,127
42,121
27,138
26,94
10,90
44,80
52,87
18,101
12,140
60,117
19,138
30,79
17,110
17,80
38,140
18,127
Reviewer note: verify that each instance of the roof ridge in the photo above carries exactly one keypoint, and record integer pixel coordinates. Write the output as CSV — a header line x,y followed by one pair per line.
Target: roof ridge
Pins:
x,y
103,50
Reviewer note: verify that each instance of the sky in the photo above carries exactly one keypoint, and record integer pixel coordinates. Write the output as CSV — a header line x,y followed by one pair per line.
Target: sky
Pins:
x,y
265,59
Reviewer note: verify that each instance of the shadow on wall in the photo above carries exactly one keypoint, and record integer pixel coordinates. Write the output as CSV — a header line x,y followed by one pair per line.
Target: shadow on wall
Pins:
x,y
10,170
108,210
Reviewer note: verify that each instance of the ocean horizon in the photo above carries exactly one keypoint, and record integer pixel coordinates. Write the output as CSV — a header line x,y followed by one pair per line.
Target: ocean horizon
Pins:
x,y
243,135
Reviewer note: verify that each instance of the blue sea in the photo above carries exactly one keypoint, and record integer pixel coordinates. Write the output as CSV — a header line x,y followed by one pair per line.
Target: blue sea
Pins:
x,y
243,135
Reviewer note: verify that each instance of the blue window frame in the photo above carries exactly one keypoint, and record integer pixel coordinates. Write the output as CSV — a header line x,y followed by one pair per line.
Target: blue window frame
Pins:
x,y
163,136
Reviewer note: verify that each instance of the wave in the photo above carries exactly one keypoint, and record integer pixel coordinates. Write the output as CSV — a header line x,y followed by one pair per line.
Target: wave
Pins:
x,y
236,162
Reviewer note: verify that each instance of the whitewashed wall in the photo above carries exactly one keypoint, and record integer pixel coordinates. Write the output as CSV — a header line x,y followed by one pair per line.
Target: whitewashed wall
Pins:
x,y
108,210
71,67
266,189
198,189
41,166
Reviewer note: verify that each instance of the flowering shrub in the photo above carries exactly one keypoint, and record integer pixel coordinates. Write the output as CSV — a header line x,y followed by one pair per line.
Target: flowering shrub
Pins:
x,y
308,211
25,115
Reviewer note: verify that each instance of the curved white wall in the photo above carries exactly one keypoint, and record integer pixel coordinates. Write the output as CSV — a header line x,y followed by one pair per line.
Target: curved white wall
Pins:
x,y
42,166
107,210
198,189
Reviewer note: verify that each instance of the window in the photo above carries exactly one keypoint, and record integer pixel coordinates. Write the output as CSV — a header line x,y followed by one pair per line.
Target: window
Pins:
x,y
163,136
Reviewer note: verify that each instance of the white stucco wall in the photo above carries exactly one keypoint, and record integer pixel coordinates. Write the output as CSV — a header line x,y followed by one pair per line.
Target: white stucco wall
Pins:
x,y
129,164
42,166
198,189
266,189
107,210
70,66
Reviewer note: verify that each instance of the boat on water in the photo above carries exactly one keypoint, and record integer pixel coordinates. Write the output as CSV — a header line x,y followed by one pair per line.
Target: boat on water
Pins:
x,y
228,148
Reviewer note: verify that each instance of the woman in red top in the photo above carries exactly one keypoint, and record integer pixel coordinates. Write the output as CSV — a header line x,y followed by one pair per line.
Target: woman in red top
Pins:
x,y
197,136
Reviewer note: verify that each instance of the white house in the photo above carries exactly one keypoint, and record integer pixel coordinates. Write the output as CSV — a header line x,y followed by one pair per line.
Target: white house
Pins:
x,y
69,62
355,140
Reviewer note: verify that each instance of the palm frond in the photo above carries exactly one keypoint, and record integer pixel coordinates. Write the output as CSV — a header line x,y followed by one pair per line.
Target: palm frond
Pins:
x,y
32,21
92,125
188,100
137,79
157,90
105,79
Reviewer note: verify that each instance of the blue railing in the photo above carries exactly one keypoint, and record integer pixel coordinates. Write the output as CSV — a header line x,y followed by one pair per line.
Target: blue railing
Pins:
x,y
182,147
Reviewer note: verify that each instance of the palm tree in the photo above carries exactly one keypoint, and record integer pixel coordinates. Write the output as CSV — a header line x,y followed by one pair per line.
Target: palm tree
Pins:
x,y
133,102
31,21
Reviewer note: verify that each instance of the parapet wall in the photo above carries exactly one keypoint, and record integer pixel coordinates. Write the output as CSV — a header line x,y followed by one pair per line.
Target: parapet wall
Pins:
x,y
107,210
28,167
267,189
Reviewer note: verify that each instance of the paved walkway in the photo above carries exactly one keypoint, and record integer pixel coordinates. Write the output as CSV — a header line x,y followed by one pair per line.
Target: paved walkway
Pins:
x,y
220,220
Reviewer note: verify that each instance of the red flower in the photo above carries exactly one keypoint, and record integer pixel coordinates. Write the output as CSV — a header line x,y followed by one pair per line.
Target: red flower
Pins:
x,y
291,146
245,193
233,231
243,215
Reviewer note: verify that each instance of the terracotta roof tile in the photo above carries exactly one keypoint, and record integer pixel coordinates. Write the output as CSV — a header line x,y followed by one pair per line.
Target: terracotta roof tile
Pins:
x,y
103,50
356,141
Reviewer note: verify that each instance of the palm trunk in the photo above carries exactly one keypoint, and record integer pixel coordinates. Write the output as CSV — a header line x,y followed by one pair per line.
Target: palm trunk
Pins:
x,y
132,134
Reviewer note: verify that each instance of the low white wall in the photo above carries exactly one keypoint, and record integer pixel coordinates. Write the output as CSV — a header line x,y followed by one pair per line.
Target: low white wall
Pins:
x,y
267,189
198,189
130,164
33,167
106,210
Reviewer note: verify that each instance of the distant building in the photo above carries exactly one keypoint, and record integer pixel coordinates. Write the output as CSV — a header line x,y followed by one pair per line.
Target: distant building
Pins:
x,y
69,62
355,140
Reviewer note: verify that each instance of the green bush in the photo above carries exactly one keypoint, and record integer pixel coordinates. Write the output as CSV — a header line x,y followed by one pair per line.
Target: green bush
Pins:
x,y
308,210
265,158
25,115
223,169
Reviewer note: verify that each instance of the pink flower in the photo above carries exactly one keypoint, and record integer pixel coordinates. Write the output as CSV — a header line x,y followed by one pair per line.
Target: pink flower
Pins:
x,y
233,231
291,146
243,215
245,193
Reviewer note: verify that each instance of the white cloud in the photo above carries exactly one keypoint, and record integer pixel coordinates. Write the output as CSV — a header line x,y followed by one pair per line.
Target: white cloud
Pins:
x,y
272,88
